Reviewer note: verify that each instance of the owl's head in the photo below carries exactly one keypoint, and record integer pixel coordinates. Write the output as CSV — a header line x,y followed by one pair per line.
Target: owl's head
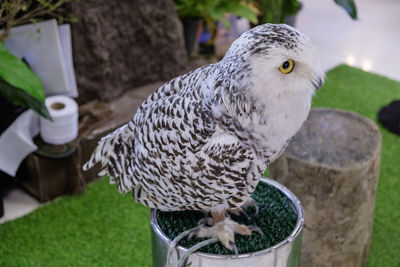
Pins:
x,y
277,60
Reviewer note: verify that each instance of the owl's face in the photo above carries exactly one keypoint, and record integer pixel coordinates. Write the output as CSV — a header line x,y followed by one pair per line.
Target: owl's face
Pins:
x,y
281,61
286,65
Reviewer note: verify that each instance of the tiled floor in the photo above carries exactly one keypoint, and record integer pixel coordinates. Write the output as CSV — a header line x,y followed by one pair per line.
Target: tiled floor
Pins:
x,y
17,203
371,43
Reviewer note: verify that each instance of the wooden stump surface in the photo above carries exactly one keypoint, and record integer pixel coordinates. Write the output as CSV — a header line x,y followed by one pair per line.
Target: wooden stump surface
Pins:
x,y
332,165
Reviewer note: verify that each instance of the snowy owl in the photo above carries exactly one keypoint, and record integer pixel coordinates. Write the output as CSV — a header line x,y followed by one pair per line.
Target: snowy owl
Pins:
x,y
203,140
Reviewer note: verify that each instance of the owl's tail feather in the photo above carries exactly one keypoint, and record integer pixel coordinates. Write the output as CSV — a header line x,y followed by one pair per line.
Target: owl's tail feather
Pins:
x,y
115,152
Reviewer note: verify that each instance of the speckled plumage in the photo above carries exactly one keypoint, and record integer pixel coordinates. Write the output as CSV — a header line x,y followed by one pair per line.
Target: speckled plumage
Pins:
x,y
203,140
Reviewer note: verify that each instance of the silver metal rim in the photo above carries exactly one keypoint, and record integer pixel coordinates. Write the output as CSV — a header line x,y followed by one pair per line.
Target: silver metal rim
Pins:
x,y
297,229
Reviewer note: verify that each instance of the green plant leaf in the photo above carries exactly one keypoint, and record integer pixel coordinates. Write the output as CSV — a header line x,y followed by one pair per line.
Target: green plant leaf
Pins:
x,y
19,84
290,7
273,11
214,10
189,8
225,22
349,6
21,98
15,72
242,11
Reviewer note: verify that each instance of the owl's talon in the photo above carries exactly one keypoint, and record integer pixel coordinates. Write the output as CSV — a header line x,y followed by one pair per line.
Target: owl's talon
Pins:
x,y
244,213
250,202
240,212
257,229
234,247
206,221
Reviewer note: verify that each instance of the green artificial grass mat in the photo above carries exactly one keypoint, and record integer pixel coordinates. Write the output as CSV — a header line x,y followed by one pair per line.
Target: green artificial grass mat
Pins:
x,y
103,228
275,218
98,228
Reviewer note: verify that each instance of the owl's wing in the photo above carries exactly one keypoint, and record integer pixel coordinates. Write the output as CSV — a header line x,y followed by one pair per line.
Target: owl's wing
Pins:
x,y
172,118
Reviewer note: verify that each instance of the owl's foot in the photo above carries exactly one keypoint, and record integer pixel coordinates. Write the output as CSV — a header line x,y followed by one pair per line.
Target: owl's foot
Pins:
x,y
250,202
241,212
224,230
221,228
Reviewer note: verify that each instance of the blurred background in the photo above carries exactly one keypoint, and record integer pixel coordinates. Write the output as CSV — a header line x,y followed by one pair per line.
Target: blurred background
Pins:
x,y
108,56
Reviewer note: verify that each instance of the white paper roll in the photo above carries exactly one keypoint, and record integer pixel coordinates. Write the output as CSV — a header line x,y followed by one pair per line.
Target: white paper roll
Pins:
x,y
64,127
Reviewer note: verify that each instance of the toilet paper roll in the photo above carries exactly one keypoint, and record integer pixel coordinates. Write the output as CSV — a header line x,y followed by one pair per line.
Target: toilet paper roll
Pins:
x,y
64,127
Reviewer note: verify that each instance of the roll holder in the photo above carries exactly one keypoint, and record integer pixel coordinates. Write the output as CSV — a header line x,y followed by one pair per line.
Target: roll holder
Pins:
x,y
54,170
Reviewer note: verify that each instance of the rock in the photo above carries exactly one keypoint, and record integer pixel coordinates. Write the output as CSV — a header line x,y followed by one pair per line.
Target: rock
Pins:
x,y
118,45
332,165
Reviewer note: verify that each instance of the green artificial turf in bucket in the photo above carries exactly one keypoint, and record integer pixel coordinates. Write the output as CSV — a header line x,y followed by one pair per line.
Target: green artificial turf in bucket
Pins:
x,y
276,219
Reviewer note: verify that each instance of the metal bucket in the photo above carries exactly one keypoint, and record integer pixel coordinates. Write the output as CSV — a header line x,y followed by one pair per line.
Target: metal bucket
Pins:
x,y
283,254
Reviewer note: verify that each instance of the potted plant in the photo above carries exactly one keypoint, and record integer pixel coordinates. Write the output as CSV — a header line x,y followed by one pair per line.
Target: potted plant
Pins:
x,y
18,84
211,11
278,11
20,88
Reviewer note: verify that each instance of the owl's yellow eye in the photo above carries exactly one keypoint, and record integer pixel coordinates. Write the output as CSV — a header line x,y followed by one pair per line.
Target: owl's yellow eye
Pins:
x,y
287,66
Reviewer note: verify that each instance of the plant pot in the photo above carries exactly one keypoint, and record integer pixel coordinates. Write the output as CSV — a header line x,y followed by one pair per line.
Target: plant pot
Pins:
x,y
291,19
284,254
190,26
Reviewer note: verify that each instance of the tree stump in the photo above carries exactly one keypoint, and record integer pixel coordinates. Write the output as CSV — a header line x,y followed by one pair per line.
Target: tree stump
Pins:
x,y
332,165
